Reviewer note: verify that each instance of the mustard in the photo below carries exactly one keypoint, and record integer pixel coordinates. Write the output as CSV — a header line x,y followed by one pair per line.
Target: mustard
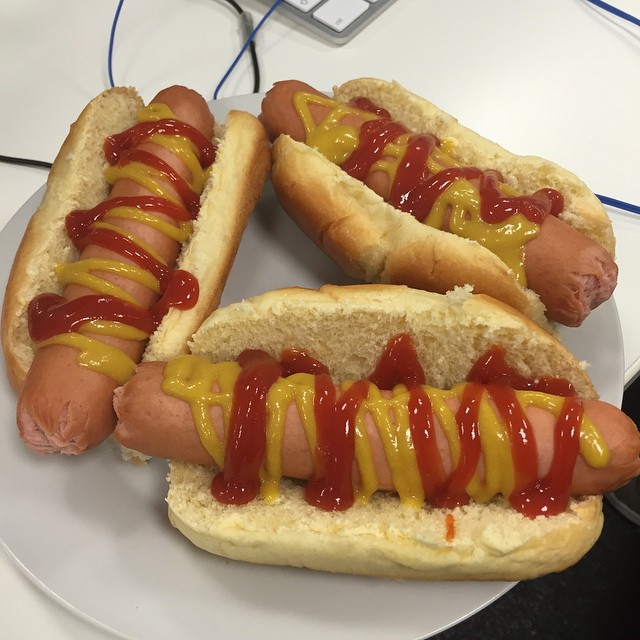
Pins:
x,y
80,273
333,139
337,141
93,353
114,329
97,355
178,233
593,447
204,385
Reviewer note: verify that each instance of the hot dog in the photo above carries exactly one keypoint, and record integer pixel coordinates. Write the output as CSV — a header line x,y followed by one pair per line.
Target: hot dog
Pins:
x,y
362,393
129,250
520,228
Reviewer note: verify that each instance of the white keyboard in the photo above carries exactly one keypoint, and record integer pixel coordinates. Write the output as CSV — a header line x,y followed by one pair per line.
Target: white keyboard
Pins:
x,y
336,21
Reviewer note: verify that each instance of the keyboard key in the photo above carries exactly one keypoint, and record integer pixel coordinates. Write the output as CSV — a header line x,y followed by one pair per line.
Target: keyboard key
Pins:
x,y
332,24
339,14
304,5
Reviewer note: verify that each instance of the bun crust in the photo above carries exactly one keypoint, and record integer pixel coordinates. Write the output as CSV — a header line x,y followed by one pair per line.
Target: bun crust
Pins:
x,y
76,181
234,186
347,328
371,240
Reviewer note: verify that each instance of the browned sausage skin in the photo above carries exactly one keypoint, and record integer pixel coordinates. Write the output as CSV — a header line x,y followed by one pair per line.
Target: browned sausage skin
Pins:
x,y
65,407
571,274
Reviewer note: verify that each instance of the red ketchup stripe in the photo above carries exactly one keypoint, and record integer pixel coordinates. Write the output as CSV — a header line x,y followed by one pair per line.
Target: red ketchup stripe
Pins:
x,y
521,436
375,135
423,433
550,495
398,364
297,361
117,145
414,190
412,170
331,485
364,104
50,314
79,221
239,482
190,198
454,492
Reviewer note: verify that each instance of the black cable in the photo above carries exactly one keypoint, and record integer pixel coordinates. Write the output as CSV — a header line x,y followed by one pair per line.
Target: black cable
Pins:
x,y
247,24
25,162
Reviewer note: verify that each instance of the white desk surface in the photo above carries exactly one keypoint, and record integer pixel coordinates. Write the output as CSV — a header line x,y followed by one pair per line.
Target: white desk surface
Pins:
x,y
555,79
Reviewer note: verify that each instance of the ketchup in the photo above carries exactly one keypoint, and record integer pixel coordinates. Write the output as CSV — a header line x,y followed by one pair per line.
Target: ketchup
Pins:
x,y
331,486
116,146
239,483
50,315
423,434
79,221
550,495
414,190
492,368
453,493
398,364
190,198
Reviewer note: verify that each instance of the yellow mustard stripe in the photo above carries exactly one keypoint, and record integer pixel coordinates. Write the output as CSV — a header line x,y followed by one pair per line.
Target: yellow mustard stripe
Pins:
x,y
279,398
179,145
593,447
457,210
188,154
96,355
446,417
179,232
332,138
499,474
144,175
368,479
80,273
107,265
145,246
461,202
391,418
114,329
155,111
299,389
191,378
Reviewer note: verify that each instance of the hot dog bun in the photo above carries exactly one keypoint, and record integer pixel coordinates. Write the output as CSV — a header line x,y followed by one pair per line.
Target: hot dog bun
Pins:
x,y
346,328
373,241
76,181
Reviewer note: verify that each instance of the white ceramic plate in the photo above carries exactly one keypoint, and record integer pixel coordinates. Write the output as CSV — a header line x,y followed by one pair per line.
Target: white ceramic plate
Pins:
x,y
92,532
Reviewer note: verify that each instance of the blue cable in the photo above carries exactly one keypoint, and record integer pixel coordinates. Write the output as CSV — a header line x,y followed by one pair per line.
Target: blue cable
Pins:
x,y
619,204
606,200
616,12
112,38
252,35
247,30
